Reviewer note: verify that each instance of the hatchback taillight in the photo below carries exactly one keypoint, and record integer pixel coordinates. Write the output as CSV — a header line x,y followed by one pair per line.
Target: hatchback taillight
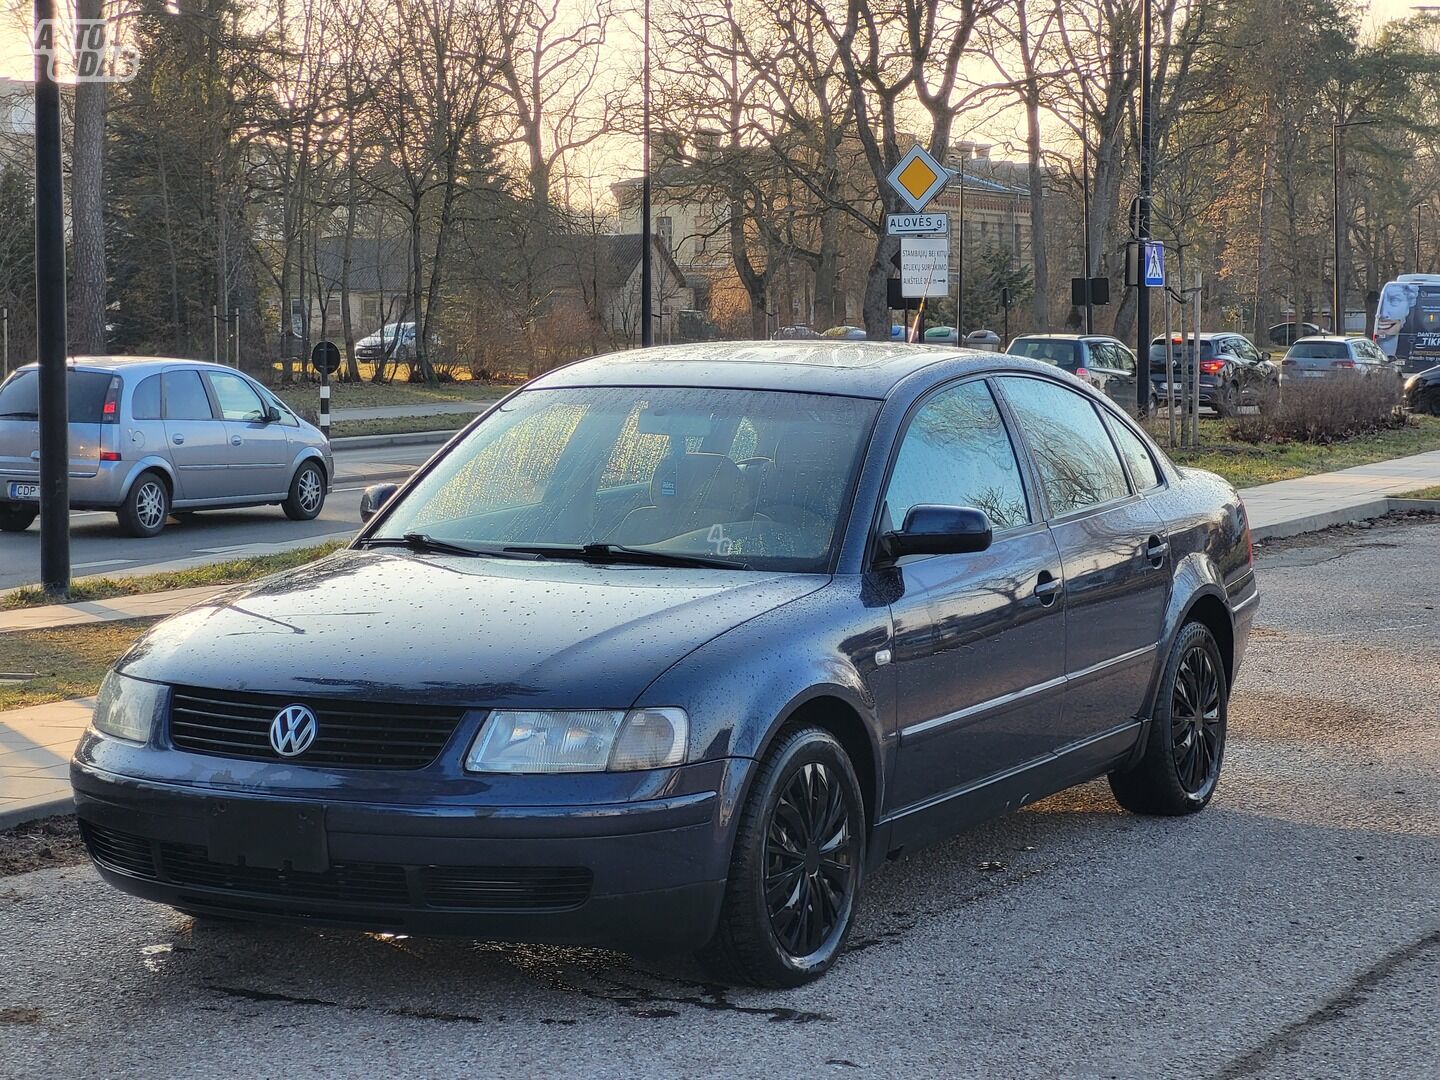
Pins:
x,y
1212,367
1345,363
110,411
1082,373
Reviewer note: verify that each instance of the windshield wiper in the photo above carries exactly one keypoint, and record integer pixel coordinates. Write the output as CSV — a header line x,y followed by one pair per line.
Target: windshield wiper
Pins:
x,y
619,553
418,541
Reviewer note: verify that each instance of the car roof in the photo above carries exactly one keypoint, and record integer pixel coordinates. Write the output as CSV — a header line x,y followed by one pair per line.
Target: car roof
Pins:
x,y
1329,337
121,363
825,366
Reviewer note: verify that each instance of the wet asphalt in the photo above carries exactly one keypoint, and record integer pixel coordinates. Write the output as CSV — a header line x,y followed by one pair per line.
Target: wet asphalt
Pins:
x,y
1290,930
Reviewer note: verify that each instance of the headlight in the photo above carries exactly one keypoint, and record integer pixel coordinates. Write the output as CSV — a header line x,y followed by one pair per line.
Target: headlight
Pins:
x,y
128,708
593,740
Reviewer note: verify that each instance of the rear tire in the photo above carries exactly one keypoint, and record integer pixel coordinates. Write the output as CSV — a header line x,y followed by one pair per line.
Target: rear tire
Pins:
x,y
1225,401
307,493
17,518
1185,747
797,868
146,507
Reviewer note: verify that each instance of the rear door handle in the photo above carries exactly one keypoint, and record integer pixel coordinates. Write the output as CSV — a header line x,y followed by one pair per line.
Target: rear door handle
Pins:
x,y
235,440
177,439
1156,550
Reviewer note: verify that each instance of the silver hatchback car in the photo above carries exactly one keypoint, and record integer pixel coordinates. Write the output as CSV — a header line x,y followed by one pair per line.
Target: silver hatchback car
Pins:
x,y
150,435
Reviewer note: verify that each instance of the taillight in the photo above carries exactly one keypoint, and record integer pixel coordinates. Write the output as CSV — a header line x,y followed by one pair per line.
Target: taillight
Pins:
x,y
110,411
109,455
1345,363
1082,373
1212,367
1289,363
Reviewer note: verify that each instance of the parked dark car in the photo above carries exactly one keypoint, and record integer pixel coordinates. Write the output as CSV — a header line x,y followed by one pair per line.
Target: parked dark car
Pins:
x,y
1106,363
1232,371
1422,391
674,647
1287,333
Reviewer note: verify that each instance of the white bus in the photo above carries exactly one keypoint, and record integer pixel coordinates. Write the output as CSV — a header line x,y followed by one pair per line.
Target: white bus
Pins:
x,y
1407,321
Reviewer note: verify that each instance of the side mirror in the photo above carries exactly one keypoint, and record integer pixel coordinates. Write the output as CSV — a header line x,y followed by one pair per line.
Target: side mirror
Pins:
x,y
374,499
272,414
939,530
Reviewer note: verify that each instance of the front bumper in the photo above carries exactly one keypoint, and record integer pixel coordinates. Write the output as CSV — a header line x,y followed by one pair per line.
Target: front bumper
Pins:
x,y
644,876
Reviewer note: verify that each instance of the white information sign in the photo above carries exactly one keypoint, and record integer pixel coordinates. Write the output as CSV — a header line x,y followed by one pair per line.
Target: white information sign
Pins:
x,y
924,267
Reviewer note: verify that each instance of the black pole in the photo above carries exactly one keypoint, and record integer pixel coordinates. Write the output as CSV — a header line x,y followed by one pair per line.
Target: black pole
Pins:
x,y
50,323
960,264
647,322
1142,223
1337,286
1418,268
1085,199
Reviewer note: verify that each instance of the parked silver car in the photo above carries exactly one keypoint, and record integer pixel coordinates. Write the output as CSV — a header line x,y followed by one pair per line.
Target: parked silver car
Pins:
x,y
150,435
1328,356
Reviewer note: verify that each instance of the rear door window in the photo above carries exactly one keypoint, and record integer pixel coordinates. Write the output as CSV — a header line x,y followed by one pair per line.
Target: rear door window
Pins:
x,y
1137,456
185,397
1077,462
1059,353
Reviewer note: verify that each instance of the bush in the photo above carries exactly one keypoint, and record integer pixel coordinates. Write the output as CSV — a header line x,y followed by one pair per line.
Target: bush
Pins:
x,y
1324,411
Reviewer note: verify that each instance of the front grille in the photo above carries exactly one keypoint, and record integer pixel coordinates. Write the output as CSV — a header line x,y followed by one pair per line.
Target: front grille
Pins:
x,y
350,734
506,888
357,883
119,851
469,888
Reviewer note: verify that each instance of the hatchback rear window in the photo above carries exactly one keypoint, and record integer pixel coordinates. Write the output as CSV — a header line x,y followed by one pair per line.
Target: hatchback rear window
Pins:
x,y
1319,350
85,394
1059,353
1157,349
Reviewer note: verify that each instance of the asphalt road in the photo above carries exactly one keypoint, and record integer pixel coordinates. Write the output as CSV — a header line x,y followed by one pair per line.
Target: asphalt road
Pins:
x,y
97,545
1291,930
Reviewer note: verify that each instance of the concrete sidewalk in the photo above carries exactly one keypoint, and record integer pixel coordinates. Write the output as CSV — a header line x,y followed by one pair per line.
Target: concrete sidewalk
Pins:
x,y
36,742
1307,503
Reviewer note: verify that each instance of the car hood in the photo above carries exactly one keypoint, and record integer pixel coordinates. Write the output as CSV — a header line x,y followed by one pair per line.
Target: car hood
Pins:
x,y
403,626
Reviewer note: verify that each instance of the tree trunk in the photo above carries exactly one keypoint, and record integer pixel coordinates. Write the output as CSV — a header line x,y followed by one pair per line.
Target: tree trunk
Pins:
x,y
87,201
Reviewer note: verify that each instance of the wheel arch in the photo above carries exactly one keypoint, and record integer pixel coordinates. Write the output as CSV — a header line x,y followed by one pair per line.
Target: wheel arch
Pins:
x,y
150,463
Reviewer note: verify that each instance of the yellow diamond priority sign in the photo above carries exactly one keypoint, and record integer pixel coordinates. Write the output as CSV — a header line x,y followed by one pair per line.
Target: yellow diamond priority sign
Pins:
x,y
918,178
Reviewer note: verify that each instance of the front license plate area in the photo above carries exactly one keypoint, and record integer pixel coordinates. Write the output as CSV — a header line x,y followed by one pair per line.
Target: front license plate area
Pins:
x,y
28,492
271,837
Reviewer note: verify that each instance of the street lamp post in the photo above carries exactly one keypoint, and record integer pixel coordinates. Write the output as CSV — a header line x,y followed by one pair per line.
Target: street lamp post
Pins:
x,y
50,323
647,322
1338,289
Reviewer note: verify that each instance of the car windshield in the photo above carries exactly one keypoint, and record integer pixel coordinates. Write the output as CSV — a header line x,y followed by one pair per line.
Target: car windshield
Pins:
x,y
1059,353
754,479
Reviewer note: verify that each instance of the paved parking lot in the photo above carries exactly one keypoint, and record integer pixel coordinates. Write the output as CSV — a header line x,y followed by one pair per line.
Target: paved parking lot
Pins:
x,y
1291,930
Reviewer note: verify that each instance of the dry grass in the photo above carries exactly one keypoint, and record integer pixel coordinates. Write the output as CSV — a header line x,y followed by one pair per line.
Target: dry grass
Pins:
x,y
68,662
221,573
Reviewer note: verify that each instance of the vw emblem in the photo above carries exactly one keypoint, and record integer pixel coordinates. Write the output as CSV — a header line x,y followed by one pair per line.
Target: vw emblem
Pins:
x,y
293,730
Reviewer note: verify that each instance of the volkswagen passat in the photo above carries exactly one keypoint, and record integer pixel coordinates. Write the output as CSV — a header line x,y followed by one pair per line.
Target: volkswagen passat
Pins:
x,y
672,648
150,435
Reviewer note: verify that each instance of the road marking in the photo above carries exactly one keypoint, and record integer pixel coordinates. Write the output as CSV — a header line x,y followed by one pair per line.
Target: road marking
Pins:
x,y
102,562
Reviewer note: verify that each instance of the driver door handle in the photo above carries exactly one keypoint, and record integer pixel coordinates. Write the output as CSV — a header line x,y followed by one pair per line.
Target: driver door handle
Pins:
x,y
1048,588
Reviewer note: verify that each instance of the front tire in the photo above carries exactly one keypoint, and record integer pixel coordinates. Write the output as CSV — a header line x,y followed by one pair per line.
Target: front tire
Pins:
x,y
307,493
1186,744
797,867
146,507
15,518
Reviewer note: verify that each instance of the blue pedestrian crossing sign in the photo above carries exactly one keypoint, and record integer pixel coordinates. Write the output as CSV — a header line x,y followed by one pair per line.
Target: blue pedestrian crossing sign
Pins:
x,y
1154,266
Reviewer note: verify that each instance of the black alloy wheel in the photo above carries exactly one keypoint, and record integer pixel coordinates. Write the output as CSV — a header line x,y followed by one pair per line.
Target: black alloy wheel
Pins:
x,y
1196,720
809,861
797,868
1179,769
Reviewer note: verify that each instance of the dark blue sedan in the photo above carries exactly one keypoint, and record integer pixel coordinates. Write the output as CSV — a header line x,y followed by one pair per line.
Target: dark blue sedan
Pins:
x,y
671,648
